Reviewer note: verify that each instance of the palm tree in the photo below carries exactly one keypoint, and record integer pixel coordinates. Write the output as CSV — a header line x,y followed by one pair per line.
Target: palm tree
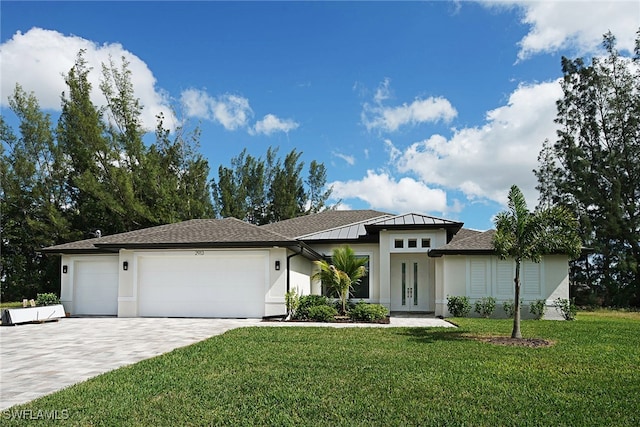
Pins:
x,y
524,235
344,271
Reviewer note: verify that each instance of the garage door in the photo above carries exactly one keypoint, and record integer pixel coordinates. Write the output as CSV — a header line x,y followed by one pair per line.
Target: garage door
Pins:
x,y
96,286
203,284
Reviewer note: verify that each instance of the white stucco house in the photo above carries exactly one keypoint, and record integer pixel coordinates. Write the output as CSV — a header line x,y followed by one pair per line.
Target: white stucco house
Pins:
x,y
229,268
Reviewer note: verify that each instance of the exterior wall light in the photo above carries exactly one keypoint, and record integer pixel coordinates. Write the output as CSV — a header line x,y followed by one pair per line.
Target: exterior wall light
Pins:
x,y
64,269
278,265
125,265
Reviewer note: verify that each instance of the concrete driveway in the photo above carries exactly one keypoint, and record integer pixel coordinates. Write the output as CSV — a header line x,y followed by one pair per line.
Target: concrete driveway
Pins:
x,y
38,359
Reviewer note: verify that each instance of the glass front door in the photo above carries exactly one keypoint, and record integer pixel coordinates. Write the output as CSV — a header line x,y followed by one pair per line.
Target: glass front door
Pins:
x,y
409,278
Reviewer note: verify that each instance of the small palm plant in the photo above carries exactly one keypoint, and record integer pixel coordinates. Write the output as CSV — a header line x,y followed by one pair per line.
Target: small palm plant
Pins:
x,y
343,272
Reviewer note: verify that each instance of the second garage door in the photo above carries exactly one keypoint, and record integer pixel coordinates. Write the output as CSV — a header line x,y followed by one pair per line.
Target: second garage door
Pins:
x,y
203,284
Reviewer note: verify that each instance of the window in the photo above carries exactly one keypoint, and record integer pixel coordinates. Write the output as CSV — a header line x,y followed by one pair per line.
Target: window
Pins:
x,y
398,243
426,243
413,243
359,291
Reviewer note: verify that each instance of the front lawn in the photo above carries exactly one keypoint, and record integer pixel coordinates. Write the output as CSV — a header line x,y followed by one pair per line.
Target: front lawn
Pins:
x,y
374,376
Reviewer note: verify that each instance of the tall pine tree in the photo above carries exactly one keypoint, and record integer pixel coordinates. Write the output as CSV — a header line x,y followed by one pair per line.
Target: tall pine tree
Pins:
x,y
598,168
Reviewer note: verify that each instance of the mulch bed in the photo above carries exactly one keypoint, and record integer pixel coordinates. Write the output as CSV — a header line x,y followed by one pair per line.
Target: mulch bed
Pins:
x,y
516,342
338,319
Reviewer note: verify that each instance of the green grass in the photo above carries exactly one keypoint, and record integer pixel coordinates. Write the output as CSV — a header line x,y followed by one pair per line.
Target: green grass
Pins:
x,y
14,304
371,376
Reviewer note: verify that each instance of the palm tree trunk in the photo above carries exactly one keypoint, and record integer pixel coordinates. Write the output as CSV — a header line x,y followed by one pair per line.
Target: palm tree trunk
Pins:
x,y
516,315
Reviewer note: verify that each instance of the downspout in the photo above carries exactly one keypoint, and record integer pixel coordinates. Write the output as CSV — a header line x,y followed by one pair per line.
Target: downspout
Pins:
x,y
287,315
289,265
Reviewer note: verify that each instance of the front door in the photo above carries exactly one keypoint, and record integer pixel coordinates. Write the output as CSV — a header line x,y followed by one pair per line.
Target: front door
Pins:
x,y
409,287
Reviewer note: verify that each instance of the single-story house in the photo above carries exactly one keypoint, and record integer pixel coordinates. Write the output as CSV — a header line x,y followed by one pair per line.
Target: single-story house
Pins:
x,y
230,268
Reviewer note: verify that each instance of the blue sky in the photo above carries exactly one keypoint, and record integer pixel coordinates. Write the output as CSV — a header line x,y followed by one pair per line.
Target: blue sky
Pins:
x,y
430,107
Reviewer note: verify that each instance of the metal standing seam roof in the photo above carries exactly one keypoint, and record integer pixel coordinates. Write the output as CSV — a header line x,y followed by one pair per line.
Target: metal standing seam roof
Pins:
x,y
326,220
362,229
347,232
413,219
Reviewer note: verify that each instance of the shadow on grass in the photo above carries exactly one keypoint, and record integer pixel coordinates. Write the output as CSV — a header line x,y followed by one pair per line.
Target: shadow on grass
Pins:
x,y
431,335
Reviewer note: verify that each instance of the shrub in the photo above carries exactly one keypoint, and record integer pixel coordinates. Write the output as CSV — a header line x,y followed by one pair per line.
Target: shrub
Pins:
x,y
306,302
47,299
292,300
538,308
485,306
509,308
458,306
322,313
567,308
368,312
337,304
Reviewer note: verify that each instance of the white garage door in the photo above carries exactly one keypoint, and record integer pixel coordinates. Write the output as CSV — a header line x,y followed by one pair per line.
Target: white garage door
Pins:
x,y
203,284
96,286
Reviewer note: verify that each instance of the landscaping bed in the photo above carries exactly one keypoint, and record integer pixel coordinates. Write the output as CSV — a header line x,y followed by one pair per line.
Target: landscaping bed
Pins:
x,y
337,319
318,308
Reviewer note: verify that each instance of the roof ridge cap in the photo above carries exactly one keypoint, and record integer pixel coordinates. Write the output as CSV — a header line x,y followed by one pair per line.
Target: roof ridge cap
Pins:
x,y
264,230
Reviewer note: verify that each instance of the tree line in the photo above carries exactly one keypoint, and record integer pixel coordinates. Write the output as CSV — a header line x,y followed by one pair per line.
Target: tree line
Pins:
x,y
93,171
593,169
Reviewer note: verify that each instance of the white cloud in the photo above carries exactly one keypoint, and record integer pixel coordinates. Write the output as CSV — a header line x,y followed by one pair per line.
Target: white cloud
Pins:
x,y
196,103
576,25
381,191
349,159
483,162
381,117
231,111
38,59
271,123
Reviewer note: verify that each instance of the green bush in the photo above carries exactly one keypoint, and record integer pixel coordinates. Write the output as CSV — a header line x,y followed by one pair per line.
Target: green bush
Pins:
x,y
368,312
567,308
538,308
485,306
458,306
509,308
47,299
322,313
306,302
337,304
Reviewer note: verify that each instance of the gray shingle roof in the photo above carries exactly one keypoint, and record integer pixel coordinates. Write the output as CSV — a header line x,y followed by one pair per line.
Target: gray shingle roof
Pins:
x,y
231,232
226,232
322,221
470,242
464,233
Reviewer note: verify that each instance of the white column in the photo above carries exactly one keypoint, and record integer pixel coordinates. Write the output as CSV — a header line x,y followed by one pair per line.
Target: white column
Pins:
x,y
385,269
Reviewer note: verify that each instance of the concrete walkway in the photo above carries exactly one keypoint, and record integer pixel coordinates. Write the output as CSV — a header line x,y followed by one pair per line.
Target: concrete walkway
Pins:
x,y
38,359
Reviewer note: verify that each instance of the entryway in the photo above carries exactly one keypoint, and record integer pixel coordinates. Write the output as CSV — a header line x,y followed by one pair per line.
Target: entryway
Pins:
x,y
410,283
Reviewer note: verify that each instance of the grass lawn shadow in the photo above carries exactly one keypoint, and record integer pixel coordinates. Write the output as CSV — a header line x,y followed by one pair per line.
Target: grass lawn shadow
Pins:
x,y
431,335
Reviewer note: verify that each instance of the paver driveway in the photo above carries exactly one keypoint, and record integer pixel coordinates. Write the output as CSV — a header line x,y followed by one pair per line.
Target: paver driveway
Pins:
x,y
38,359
